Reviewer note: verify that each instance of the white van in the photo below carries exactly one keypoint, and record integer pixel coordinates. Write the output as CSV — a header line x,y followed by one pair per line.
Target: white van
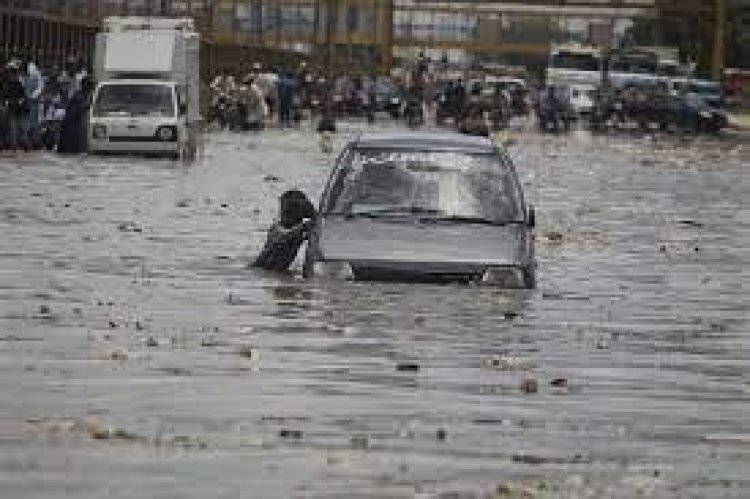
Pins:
x,y
138,116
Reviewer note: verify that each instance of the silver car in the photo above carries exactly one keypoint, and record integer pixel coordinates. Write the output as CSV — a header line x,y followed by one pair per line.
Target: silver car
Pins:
x,y
424,207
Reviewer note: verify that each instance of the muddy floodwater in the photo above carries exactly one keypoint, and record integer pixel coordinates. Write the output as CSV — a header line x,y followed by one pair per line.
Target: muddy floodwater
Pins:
x,y
140,358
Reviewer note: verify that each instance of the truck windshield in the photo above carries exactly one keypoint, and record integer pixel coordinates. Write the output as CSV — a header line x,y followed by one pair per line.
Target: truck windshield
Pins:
x,y
574,60
135,100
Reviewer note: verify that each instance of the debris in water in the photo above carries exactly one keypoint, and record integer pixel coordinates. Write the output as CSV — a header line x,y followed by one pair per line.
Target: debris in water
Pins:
x,y
247,352
44,310
139,326
510,315
151,342
209,342
507,363
288,434
271,178
529,385
407,367
98,431
359,441
691,223
441,434
113,325
554,237
507,490
559,383
119,354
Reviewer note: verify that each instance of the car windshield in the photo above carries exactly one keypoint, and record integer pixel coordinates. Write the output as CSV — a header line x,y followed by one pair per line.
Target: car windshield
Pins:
x,y
135,100
429,185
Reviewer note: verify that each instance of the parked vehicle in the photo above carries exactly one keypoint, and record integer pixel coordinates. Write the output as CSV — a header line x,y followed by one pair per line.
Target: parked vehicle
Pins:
x,y
581,98
148,96
709,91
423,207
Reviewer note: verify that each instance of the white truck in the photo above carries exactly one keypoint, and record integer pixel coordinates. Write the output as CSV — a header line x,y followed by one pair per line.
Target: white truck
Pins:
x,y
147,99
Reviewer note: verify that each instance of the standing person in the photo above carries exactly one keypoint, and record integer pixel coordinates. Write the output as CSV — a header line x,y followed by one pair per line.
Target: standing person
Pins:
x,y
53,114
33,84
4,111
73,129
14,97
286,89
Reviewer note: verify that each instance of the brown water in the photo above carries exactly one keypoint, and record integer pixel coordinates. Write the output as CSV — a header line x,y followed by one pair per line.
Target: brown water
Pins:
x,y
138,358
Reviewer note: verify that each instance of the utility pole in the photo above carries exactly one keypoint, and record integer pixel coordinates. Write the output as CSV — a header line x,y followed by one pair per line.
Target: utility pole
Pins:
x,y
328,115
719,55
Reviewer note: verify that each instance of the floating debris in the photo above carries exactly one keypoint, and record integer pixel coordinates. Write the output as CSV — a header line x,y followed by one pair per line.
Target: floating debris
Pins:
x,y
691,223
407,367
119,354
288,434
529,385
559,383
247,352
359,442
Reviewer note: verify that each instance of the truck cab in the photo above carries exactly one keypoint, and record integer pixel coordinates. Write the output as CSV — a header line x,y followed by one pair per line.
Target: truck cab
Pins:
x,y
138,116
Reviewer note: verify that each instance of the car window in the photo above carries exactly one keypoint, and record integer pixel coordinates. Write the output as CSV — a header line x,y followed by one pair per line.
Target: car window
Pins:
x,y
427,184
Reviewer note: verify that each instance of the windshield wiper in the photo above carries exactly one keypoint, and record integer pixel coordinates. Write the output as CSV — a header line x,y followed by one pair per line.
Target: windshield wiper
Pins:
x,y
393,210
476,220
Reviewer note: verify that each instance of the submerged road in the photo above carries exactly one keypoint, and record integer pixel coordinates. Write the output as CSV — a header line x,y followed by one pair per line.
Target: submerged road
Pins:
x,y
139,358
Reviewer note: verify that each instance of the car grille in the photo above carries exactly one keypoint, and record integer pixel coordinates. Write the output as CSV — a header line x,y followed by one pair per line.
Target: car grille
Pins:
x,y
135,139
384,274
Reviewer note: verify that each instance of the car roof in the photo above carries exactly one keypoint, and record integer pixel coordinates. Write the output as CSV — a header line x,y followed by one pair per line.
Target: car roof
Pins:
x,y
423,140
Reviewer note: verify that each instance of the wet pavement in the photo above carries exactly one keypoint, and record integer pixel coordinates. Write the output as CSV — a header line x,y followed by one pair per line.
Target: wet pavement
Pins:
x,y
139,358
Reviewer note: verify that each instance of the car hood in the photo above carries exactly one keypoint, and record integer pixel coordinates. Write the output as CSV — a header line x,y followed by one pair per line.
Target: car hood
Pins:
x,y
367,241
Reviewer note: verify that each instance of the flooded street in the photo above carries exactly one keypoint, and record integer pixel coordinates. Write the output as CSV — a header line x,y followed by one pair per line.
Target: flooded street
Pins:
x,y
140,358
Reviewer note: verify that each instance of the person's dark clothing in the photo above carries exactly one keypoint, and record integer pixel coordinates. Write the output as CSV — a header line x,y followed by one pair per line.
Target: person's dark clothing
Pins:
x,y
73,126
15,96
286,88
282,245
287,234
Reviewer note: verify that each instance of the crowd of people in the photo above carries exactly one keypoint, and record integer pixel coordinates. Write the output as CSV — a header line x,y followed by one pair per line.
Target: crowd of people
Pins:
x,y
47,107
43,107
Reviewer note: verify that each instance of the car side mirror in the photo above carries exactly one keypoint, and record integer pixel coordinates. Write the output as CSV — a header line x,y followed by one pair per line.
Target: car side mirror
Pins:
x,y
531,217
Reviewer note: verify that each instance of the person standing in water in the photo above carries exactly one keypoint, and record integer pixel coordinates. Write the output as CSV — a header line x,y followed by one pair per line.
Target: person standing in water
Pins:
x,y
287,233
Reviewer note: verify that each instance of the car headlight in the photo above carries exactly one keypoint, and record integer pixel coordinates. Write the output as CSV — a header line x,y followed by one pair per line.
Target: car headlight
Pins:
x,y
334,270
99,132
167,133
504,277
